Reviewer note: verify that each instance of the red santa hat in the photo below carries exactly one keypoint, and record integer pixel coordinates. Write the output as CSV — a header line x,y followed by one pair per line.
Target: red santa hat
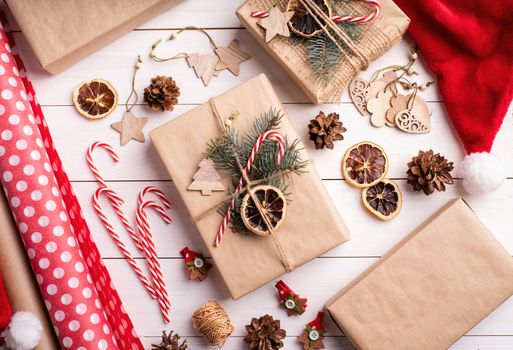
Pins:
x,y
469,46
21,331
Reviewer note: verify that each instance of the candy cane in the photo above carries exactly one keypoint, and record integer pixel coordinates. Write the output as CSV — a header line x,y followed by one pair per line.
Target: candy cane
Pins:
x,y
92,166
116,204
151,254
361,19
157,192
353,19
254,151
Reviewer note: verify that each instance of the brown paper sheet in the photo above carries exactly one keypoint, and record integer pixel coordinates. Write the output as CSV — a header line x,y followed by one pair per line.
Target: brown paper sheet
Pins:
x,y
20,283
248,262
430,289
379,36
62,32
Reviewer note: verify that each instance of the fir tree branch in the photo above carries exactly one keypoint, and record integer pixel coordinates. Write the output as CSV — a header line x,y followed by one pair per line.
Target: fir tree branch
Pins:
x,y
226,149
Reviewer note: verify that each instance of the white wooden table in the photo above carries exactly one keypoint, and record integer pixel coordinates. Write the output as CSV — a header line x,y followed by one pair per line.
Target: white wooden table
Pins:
x,y
140,166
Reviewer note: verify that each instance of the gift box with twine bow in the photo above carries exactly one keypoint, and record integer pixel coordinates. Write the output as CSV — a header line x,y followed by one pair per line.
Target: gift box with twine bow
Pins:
x,y
248,261
324,63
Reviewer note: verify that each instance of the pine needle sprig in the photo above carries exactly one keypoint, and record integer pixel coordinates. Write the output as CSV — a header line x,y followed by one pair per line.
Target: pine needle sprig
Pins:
x,y
226,149
323,56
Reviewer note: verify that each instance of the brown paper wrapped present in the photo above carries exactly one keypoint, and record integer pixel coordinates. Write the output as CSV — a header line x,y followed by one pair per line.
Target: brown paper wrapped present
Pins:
x,y
62,32
371,41
19,280
430,289
247,262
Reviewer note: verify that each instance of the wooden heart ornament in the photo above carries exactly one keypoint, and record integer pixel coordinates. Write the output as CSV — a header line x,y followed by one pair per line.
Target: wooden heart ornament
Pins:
x,y
358,93
415,120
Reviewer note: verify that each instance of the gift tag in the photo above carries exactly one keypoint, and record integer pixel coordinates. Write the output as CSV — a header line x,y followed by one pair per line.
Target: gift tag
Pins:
x,y
357,92
398,102
378,107
415,120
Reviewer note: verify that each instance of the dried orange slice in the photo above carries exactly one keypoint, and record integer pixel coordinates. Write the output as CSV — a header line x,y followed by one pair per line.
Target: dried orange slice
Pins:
x,y
364,165
384,199
274,206
95,99
303,23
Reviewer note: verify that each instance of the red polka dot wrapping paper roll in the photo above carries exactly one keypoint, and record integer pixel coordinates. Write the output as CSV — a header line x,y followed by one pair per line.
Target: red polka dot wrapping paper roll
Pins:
x,y
83,305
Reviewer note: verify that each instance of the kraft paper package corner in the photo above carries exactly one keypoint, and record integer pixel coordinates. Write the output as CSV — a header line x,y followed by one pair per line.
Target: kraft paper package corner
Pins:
x,y
19,280
378,36
61,33
248,262
430,289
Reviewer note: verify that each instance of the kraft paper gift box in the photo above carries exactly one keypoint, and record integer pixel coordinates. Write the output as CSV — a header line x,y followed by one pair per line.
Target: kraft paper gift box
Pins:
x,y
248,262
430,289
19,280
375,38
62,32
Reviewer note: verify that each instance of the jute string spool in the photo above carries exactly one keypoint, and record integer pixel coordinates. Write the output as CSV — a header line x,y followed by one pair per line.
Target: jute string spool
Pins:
x,y
213,322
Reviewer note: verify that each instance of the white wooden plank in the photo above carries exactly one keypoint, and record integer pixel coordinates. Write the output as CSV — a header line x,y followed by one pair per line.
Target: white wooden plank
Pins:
x,y
341,343
115,63
187,296
369,236
201,13
73,134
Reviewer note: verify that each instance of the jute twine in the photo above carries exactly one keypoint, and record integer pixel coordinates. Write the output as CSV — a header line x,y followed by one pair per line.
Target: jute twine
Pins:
x,y
247,188
213,322
376,39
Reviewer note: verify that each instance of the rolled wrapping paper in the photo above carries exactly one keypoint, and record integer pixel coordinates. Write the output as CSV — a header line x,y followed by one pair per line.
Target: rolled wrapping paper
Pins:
x,y
83,305
19,281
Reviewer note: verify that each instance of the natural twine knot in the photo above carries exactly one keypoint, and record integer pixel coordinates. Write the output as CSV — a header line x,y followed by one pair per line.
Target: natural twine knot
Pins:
x,y
213,322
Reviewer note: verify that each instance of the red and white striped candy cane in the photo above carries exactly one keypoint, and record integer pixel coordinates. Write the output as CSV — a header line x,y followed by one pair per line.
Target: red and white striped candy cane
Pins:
x,y
281,151
151,254
157,192
353,19
92,166
361,19
116,204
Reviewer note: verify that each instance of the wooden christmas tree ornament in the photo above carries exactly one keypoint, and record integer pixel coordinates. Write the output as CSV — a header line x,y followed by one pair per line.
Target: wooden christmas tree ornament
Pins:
x,y
206,179
203,65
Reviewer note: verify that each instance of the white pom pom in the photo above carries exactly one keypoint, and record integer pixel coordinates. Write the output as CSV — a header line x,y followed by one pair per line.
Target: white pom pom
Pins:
x,y
482,173
24,332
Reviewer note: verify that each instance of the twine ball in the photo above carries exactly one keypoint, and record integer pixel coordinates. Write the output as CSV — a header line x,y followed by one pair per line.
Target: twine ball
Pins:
x,y
213,322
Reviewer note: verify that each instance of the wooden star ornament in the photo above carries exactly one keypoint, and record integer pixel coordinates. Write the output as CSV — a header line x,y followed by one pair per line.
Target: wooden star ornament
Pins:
x,y
276,23
230,57
130,128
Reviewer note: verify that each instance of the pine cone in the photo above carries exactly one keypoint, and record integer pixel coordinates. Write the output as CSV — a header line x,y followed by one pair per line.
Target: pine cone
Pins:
x,y
162,94
264,333
429,172
323,130
170,342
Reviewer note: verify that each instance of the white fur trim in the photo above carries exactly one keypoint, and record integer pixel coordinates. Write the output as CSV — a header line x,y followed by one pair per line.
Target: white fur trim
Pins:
x,y
482,173
24,332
